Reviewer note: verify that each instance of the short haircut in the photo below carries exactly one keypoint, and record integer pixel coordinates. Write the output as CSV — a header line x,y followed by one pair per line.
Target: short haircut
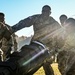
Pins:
x,y
63,16
71,21
2,14
46,6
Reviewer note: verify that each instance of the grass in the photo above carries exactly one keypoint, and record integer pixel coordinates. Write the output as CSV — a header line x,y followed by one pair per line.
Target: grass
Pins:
x,y
54,66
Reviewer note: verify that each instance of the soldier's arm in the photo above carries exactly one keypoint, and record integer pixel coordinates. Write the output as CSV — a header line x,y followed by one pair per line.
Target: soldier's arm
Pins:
x,y
3,29
23,23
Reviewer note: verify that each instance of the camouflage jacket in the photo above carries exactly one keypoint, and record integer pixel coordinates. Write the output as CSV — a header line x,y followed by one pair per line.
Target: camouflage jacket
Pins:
x,y
5,43
45,30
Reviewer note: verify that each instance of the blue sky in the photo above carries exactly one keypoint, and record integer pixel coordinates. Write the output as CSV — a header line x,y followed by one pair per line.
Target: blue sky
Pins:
x,y
15,10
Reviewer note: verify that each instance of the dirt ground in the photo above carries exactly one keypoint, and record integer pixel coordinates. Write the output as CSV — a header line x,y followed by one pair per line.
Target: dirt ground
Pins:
x,y
54,66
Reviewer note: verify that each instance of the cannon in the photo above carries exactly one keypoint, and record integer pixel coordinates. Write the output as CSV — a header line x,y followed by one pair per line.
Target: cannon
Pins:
x,y
27,61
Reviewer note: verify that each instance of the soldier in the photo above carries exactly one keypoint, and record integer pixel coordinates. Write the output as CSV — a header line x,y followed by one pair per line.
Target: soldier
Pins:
x,y
6,39
62,19
66,57
44,26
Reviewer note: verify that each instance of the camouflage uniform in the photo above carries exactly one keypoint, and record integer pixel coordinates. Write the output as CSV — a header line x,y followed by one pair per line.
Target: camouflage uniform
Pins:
x,y
6,42
42,27
45,31
66,57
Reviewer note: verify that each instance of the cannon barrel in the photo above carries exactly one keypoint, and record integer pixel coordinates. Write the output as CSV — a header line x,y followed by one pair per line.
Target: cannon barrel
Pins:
x,y
27,61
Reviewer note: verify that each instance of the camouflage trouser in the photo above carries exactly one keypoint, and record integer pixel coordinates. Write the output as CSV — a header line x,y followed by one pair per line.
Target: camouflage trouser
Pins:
x,y
66,62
